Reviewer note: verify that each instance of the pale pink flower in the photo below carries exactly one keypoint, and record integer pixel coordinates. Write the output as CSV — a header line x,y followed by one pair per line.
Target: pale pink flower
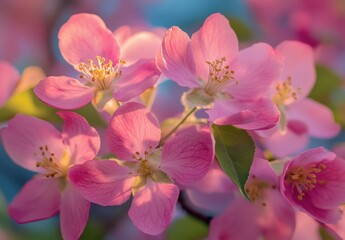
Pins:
x,y
147,172
228,82
9,79
300,117
306,227
90,47
37,146
268,215
314,182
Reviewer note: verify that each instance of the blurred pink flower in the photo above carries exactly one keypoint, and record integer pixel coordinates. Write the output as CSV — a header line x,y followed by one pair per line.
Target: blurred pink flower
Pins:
x,y
229,81
9,79
148,172
37,146
300,117
314,182
268,215
87,44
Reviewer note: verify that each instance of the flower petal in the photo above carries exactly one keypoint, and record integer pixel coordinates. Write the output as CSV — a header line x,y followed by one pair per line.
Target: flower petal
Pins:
x,y
153,207
188,157
63,92
9,78
25,135
135,79
255,74
82,139
317,117
251,115
214,41
38,199
85,36
74,212
102,181
175,59
132,129
299,65
142,45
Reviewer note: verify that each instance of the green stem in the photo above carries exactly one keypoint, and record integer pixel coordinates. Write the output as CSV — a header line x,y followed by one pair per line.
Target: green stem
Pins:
x,y
177,126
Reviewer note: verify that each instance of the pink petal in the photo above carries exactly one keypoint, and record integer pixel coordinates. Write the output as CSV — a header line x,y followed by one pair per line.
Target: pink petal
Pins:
x,y
38,199
135,79
238,222
262,169
314,155
153,207
299,65
74,212
142,45
82,139
318,118
332,193
188,157
25,135
85,36
9,78
213,41
63,92
255,74
132,129
306,227
175,59
251,115
122,33
102,181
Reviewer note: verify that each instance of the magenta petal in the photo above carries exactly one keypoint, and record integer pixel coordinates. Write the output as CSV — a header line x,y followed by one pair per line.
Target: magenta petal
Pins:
x,y
9,78
85,36
255,74
175,60
238,222
215,40
298,65
153,207
135,79
188,157
102,181
74,212
38,199
251,115
63,92
82,139
317,117
332,193
25,135
132,130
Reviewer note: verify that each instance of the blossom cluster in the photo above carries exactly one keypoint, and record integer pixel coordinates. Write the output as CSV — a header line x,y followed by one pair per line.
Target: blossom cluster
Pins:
x,y
261,90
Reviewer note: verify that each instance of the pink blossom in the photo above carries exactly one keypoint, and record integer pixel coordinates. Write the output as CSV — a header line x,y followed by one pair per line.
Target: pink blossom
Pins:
x,y
300,117
90,47
228,82
268,215
9,79
36,145
145,170
314,182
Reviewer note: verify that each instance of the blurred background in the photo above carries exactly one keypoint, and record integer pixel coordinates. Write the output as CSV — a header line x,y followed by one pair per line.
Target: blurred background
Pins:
x,y
28,41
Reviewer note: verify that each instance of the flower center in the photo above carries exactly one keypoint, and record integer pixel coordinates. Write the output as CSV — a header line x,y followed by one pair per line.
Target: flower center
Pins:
x,y
304,179
100,74
219,76
286,93
49,163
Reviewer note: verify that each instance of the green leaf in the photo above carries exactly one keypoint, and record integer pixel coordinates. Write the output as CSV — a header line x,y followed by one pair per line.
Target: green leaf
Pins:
x,y
235,152
187,228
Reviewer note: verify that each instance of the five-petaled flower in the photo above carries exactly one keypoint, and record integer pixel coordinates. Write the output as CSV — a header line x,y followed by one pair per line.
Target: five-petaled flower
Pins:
x,y
37,146
148,172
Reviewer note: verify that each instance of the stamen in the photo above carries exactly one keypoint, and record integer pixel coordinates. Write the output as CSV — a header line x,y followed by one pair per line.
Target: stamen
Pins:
x,y
102,73
48,163
219,76
304,179
286,93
